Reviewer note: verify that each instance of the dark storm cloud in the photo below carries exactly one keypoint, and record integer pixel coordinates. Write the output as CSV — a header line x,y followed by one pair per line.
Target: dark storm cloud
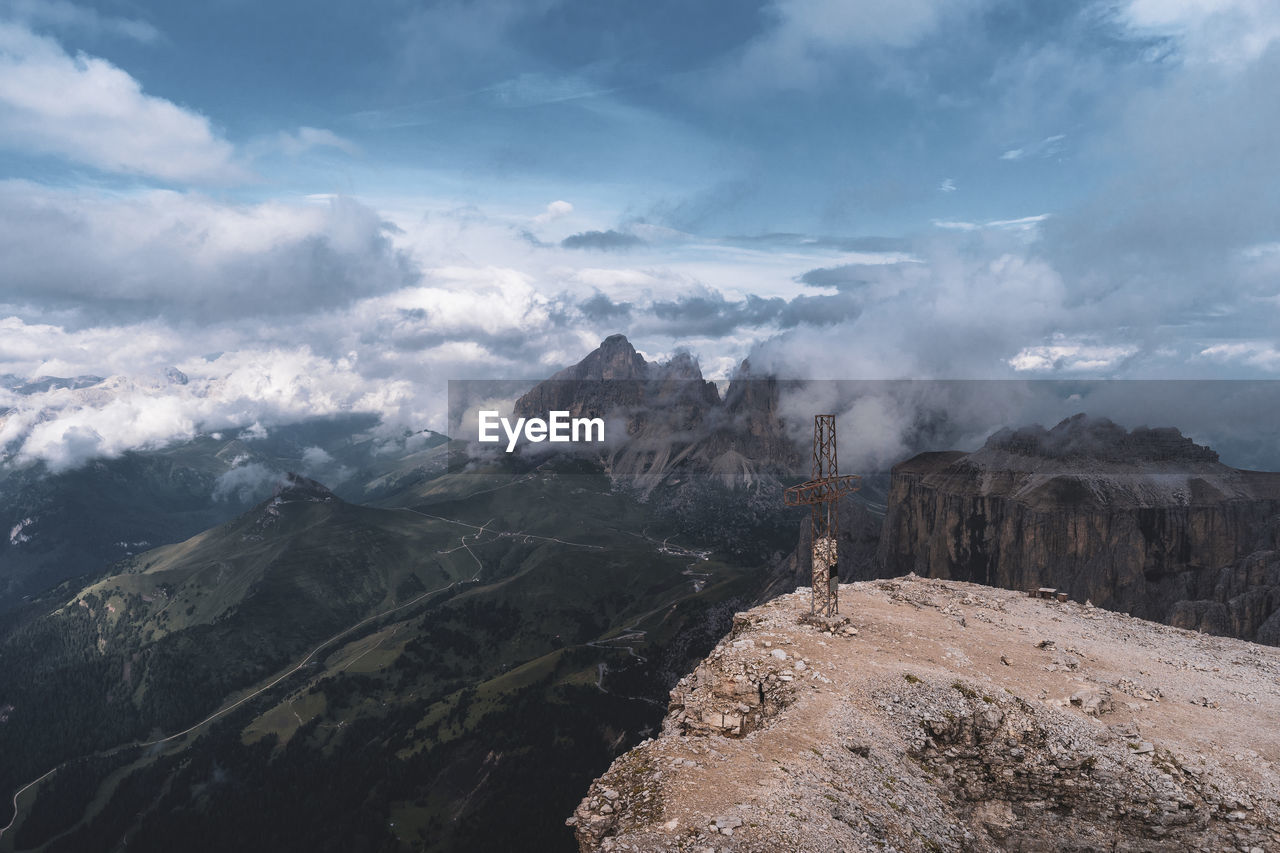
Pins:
x,y
712,315
600,307
185,257
602,241
819,310
514,345
846,277
533,239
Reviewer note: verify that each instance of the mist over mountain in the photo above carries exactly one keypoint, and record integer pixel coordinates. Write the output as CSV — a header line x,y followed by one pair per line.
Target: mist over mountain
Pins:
x,y
459,649
456,645
674,424
267,580
63,523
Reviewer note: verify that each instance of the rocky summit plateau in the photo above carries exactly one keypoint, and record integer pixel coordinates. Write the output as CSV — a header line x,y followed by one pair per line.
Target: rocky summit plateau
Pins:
x,y
937,715
1143,521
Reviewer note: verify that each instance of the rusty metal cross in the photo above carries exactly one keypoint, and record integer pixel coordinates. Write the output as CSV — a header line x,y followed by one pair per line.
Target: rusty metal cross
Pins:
x,y
821,494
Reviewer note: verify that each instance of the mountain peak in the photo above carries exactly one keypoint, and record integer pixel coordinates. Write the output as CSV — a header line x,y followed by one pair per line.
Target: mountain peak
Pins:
x,y
1084,436
682,366
299,488
615,358
615,340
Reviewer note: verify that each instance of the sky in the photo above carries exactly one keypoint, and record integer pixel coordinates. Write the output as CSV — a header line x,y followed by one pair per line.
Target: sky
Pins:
x,y
315,207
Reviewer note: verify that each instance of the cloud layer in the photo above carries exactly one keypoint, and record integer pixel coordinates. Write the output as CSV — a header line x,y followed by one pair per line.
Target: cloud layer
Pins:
x,y
946,190
89,111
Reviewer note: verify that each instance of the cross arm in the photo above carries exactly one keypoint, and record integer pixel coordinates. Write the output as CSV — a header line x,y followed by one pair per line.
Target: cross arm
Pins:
x,y
819,491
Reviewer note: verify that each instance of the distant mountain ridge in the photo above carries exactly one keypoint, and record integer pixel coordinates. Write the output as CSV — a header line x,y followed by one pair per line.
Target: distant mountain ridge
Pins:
x,y
41,384
1083,437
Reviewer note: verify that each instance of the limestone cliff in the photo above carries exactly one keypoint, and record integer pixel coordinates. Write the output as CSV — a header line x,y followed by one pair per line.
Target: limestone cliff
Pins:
x,y
945,716
1142,521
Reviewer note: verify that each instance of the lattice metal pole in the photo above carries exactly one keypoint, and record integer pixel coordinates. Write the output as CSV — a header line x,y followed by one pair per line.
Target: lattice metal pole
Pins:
x,y
821,494
826,548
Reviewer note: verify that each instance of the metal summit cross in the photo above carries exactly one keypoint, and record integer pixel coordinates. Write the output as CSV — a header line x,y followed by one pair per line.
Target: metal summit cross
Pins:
x,y
821,494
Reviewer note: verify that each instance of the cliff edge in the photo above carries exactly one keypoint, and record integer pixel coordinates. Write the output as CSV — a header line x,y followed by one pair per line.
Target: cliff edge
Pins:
x,y
1144,521
940,715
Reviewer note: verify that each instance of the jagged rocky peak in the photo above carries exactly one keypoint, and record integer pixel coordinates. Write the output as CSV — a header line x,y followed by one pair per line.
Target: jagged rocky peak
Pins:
x,y
614,376
750,392
681,366
615,358
1081,436
675,420
299,488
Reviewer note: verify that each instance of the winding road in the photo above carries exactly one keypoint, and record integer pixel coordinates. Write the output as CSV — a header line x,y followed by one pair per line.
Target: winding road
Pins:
x,y
229,708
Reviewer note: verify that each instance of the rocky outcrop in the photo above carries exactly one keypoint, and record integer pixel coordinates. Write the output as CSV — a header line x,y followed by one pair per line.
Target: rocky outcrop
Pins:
x,y
945,716
1142,521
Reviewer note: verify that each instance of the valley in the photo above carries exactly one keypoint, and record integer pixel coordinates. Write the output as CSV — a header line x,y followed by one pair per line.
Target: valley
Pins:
x,y
309,631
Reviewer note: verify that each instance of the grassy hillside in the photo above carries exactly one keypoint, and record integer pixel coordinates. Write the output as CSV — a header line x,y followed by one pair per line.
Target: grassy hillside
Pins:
x,y
444,671
71,523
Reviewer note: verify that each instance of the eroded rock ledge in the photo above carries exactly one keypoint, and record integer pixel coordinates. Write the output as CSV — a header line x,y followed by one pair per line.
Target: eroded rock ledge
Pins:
x,y
939,715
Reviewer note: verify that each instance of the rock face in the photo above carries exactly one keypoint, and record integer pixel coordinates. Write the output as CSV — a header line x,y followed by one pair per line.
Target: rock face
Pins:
x,y
859,540
667,422
1142,521
945,716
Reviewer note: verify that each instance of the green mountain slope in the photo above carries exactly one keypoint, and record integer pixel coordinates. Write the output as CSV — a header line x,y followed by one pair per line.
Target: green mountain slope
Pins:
x,y
446,675
61,525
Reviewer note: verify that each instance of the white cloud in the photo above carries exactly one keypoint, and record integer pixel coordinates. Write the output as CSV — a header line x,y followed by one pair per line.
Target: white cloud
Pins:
x,y
841,23
460,294
1228,33
555,210
1261,354
1071,356
60,14
535,89
808,35
253,432
245,483
947,186
250,388
87,110
1261,251
186,255
305,138
1050,146
1024,223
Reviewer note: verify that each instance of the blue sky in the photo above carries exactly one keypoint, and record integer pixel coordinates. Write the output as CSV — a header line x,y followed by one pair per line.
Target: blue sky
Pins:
x,y
726,117
311,207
